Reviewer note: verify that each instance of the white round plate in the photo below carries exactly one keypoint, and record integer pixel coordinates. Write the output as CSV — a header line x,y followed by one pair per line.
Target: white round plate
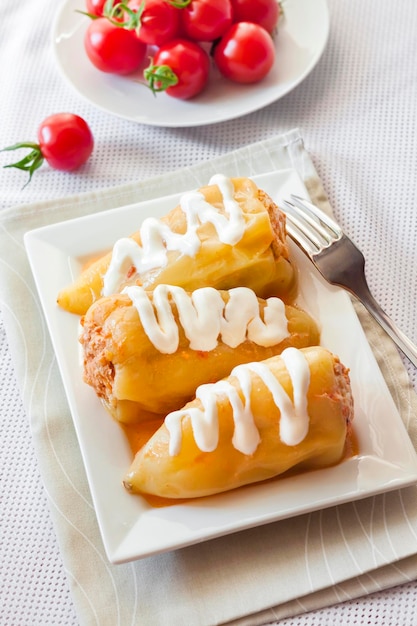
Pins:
x,y
301,39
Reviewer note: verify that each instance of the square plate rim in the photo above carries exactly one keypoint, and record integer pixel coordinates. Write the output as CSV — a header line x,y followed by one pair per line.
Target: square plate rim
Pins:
x,y
397,476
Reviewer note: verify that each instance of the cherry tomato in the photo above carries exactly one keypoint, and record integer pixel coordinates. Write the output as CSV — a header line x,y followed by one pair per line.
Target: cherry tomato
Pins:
x,y
266,13
183,61
206,20
65,141
159,21
245,54
113,49
95,7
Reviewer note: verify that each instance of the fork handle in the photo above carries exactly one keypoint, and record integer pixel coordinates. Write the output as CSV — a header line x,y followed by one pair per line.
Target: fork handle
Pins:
x,y
363,293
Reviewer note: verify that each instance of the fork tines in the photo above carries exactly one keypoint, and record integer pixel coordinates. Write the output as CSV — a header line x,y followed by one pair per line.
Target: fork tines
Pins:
x,y
309,226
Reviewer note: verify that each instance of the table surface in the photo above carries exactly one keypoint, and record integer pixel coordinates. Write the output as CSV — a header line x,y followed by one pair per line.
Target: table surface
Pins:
x,y
357,112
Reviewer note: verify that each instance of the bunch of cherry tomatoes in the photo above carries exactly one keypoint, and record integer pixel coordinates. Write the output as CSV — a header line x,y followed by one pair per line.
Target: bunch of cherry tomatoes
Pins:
x,y
180,37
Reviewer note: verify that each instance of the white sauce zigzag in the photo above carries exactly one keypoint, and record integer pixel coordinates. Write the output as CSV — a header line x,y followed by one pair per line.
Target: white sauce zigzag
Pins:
x,y
157,238
206,318
294,418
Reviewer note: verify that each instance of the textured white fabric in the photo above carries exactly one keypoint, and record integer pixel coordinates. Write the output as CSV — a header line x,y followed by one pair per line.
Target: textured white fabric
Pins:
x,y
357,114
33,584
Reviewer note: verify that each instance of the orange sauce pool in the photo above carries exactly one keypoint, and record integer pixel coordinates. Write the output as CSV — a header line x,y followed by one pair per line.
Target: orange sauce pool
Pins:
x,y
88,260
138,434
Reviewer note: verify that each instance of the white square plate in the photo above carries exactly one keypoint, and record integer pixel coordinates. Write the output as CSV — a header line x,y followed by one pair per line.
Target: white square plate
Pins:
x,y
131,528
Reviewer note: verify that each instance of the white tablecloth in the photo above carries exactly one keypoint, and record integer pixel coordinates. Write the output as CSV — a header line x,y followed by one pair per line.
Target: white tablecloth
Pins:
x,y
357,113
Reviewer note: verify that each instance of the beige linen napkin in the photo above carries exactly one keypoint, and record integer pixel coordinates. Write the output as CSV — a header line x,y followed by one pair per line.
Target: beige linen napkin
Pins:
x,y
251,577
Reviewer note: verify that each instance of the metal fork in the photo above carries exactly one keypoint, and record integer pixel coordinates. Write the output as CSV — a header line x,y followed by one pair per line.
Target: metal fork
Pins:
x,y
339,261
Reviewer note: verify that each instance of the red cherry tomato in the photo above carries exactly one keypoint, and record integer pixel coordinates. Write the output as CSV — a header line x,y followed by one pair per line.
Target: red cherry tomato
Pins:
x,y
65,141
95,7
245,54
206,20
159,21
263,12
186,62
113,49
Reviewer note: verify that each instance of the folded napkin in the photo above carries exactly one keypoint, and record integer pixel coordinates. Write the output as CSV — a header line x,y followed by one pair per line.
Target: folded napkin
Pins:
x,y
251,577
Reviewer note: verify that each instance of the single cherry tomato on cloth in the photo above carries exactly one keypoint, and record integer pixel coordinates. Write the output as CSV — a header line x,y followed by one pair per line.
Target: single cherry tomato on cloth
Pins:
x,y
65,142
158,21
206,20
245,54
266,13
113,49
180,67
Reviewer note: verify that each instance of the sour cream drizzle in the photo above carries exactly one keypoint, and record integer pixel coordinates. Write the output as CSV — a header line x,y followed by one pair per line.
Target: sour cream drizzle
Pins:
x,y
294,418
205,317
157,238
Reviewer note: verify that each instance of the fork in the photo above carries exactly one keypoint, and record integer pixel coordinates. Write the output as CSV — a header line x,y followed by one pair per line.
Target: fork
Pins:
x,y
339,261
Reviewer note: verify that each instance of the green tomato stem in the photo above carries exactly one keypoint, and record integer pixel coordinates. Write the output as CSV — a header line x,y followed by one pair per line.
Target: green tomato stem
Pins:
x,y
159,77
178,4
123,16
90,15
31,162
